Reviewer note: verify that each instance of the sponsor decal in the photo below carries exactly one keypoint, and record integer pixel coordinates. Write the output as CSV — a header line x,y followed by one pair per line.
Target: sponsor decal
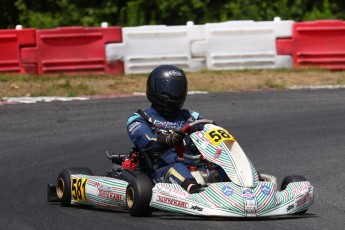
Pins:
x,y
110,195
248,194
94,183
217,153
250,210
105,191
203,139
304,199
171,201
168,124
200,135
228,191
175,73
133,126
298,190
204,144
197,208
158,123
265,189
172,179
290,207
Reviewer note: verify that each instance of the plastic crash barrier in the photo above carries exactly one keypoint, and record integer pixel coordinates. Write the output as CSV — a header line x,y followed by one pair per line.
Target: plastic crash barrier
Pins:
x,y
72,50
317,43
214,46
11,42
243,45
145,47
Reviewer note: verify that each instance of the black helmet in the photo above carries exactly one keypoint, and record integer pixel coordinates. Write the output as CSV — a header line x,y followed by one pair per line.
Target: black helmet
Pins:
x,y
167,87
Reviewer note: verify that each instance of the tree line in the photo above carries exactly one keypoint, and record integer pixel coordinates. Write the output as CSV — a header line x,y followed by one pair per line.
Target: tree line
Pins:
x,y
57,13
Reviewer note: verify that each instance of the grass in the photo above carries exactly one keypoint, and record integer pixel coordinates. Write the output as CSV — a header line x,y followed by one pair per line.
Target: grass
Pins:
x,y
341,80
270,83
212,81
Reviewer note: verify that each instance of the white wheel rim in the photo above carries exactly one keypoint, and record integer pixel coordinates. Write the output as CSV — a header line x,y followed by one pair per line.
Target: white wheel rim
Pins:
x,y
60,188
130,197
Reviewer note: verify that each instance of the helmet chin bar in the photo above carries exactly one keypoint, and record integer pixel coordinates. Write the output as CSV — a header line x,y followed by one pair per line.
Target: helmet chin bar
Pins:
x,y
165,111
164,103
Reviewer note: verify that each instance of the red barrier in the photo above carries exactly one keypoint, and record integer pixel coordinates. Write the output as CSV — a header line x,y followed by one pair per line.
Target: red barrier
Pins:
x,y
11,41
318,43
73,50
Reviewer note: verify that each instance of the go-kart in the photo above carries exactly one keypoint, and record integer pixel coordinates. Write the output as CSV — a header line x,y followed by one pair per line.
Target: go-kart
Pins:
x,y
242,193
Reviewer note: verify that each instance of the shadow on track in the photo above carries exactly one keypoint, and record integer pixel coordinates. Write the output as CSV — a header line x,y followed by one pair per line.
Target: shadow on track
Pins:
x,y
159,214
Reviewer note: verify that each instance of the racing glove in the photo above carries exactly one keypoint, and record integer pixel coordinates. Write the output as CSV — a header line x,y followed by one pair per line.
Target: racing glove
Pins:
x,y
166,141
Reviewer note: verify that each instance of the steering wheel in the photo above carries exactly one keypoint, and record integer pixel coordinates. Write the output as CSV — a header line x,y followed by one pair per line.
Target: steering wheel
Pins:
x,y
188,129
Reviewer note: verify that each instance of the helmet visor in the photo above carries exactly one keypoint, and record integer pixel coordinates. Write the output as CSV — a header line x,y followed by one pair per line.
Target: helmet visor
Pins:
x,y
174,88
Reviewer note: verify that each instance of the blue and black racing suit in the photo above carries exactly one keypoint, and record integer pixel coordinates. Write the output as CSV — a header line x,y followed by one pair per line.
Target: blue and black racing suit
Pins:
x,y
143,127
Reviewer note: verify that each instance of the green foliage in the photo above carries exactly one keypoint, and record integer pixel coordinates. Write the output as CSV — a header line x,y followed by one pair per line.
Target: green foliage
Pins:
x,y
320,11
56,13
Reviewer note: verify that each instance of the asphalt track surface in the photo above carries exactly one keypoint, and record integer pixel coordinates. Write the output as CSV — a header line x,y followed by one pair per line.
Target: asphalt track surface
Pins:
x,y
282,132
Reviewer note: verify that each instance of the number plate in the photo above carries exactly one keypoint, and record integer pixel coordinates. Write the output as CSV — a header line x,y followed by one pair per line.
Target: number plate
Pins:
x,y
78,189
218,135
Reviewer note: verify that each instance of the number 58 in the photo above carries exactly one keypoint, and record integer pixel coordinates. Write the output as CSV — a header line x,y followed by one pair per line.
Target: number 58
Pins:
x,y
78,188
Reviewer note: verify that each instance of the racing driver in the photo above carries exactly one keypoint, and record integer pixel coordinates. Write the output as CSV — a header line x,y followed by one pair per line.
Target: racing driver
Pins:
x,y
158,126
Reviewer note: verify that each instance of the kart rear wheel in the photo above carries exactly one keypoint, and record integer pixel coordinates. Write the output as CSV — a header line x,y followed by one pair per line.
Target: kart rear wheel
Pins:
x,y
138,193
289,179
63,184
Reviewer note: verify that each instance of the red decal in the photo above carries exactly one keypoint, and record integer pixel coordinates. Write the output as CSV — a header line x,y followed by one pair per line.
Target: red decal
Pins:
x,y
174,202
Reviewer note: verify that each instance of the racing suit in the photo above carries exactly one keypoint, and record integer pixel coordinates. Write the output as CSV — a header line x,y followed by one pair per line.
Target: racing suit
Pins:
x,y
143,127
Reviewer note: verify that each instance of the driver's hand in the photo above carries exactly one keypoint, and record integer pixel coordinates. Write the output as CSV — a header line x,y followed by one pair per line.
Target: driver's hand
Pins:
x,y
175,138
170,140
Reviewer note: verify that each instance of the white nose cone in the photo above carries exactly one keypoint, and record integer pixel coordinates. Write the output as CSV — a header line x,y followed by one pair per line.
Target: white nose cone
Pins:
x,y
243,167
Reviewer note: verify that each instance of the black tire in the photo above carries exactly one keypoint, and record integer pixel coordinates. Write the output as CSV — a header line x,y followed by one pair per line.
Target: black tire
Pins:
x,y
63,184
259,176
289,179
138,193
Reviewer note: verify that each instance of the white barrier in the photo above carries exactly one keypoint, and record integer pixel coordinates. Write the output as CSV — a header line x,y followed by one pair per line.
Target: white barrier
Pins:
x,y
243,45
145,47
213,46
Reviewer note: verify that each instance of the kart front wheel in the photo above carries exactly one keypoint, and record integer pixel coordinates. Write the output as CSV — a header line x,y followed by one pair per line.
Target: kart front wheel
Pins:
x,y
63,184
290,179
138,193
